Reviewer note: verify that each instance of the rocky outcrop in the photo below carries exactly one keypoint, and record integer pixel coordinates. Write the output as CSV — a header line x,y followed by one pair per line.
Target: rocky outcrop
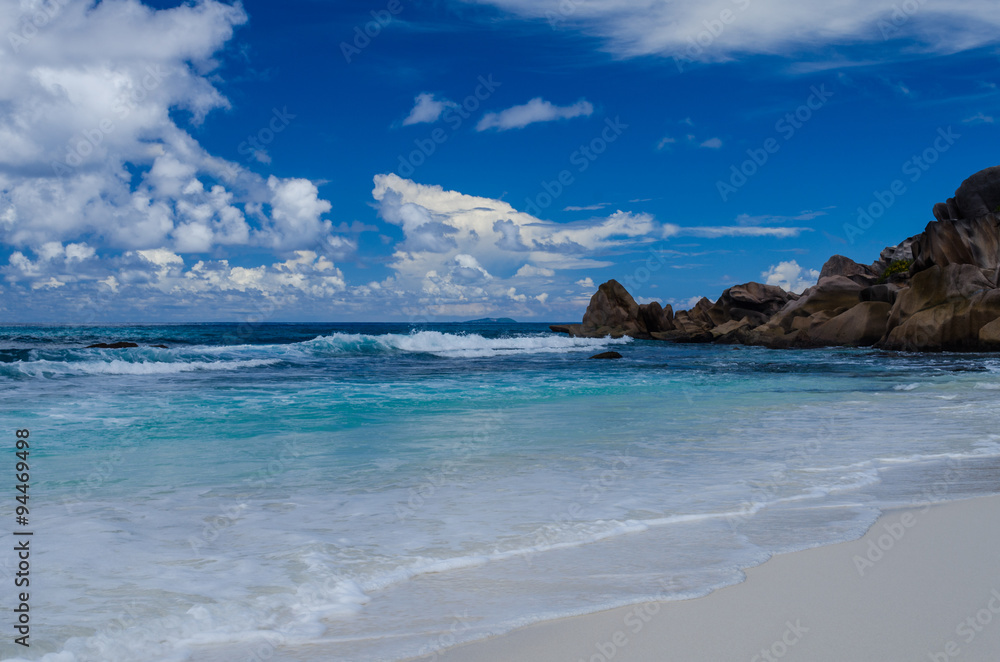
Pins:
x,y
978,196
902,252
838,265
936,291
607,355
750,301
862,325
114,345
964,241
943,309
613,312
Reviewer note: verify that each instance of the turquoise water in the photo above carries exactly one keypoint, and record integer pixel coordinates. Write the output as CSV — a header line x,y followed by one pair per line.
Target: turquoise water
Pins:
x,y
377,492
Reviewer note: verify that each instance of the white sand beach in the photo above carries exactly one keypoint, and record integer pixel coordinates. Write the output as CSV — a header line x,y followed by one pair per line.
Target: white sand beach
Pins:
x,y
922,584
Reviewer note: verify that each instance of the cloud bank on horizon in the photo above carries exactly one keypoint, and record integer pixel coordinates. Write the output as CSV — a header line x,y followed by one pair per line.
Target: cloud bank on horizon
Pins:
x,y
111,191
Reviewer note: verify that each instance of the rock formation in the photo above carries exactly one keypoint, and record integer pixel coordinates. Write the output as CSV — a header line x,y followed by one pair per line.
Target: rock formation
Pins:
x,y
978,196
613,312
936,291
607,355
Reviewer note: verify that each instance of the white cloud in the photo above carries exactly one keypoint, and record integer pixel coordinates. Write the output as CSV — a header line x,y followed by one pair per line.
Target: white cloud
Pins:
x,y
536,110
93,155
530,271
684,304
808,215
427,109
790,276
295,213
712,143
716,232
979,118
460,249
770,27
666,140
587,283
596,207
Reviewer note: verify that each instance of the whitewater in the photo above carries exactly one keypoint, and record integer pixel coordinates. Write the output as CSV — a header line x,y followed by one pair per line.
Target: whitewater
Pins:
x,y
379,491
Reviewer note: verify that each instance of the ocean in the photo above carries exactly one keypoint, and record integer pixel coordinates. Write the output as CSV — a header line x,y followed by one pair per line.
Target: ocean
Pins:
x,y
380,491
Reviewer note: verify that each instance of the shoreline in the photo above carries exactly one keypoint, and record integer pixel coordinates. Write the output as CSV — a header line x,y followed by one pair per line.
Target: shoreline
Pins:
x,y
923,583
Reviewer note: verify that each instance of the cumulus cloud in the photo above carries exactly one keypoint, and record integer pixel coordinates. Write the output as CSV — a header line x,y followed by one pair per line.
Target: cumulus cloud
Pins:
x,y
531,271
92,150
427,109
536,110
790,276
712,143
485,247
510,236
769,27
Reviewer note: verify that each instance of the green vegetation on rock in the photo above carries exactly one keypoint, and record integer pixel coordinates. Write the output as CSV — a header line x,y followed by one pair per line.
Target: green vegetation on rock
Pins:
x,y
897,267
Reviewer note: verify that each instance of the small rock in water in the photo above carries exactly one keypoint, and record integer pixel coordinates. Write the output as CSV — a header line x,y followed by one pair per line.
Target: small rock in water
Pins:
x,y
114,345
607,355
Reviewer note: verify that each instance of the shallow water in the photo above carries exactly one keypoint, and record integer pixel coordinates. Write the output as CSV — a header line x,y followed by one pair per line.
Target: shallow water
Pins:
x,y
365,492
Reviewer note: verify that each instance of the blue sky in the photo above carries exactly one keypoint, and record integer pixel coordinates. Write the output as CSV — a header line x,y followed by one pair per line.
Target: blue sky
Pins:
x,y
454,159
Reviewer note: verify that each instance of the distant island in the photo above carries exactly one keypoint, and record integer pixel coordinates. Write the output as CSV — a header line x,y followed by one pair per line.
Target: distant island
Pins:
x,y
491,320
936,291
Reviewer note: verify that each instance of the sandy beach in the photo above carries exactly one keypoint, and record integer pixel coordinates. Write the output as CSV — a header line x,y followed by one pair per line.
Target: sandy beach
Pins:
x,y
922,584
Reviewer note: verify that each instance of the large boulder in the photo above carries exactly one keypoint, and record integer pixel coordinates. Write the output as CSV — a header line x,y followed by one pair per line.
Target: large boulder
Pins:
x,y
951,326
935,286
832,295
613,312
838,265
751,301
612,308
978,196
884,292
964,241
864,324
945,308
656,318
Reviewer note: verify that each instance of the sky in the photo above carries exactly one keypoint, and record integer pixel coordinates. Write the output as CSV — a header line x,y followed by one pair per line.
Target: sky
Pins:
x,y
441,160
